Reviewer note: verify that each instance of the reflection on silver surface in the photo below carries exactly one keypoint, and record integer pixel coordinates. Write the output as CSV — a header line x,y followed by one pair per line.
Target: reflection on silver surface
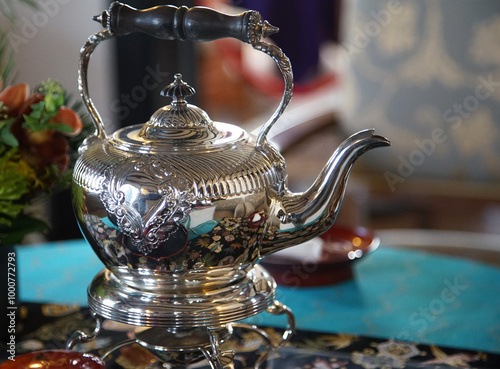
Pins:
x,y
201,307
180,209
184,194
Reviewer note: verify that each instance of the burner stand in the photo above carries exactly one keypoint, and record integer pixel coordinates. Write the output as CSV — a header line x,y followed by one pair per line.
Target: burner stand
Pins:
x,y
186,329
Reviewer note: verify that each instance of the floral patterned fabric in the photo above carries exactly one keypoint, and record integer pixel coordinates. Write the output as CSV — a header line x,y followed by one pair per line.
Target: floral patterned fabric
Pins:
x,y
49,326
426,74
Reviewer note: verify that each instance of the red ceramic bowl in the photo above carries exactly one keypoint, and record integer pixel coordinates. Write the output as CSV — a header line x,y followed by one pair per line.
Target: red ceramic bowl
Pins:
x,y
340,247
54,359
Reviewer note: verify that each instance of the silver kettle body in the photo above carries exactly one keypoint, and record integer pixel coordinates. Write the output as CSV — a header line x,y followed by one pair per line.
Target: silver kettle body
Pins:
x,y
182,203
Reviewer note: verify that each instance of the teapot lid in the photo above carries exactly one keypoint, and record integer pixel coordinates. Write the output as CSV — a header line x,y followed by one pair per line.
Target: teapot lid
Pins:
x,y
178,127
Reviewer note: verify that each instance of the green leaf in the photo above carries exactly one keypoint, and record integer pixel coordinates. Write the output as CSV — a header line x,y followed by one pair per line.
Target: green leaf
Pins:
x,y
60,127
43,112
37,109
50,104
57,101
32,123
7,137
13,184
53,101
9,209
20,227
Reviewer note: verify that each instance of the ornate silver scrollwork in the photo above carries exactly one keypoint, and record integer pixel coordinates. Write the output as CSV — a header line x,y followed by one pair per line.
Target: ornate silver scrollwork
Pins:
x,y
151,188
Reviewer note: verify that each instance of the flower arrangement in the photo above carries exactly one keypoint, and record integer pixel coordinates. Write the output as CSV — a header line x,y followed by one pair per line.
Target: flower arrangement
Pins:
x,y
38,134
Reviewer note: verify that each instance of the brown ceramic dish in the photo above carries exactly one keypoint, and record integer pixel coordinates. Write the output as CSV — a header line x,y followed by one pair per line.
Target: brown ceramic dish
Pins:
x,y
339,248
54,359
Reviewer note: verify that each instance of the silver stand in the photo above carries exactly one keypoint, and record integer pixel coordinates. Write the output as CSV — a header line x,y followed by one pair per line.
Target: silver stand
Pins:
x,y
176,337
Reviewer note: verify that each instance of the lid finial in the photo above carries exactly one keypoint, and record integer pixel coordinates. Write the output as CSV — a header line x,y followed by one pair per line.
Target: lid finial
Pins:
x,y
178,90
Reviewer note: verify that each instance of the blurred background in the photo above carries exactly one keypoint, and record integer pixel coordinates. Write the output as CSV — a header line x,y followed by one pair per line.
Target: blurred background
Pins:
x,y
424,73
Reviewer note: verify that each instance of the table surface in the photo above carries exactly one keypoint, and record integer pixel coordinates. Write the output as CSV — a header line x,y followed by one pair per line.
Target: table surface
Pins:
x,y
400,294
48,326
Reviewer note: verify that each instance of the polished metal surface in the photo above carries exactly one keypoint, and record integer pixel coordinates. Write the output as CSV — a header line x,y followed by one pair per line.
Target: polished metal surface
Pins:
x,y
109,298
181,208
184,213
186,346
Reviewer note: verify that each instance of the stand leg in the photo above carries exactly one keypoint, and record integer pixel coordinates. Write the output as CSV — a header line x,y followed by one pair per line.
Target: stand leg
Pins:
x,y
82,337
110,350
218,359
277,309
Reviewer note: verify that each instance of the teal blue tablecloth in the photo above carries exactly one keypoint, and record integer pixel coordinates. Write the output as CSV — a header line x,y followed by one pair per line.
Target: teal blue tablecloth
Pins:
x,y
396,293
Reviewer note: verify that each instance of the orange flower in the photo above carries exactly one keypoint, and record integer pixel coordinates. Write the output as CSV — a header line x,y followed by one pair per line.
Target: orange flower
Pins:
x,y
68,117
41,148
33,150
13,97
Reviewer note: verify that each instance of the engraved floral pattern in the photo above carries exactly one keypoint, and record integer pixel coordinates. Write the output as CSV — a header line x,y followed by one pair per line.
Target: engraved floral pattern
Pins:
x,y
168,198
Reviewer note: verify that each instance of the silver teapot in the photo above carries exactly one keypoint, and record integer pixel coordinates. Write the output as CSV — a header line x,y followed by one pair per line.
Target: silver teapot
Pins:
x,y
180,209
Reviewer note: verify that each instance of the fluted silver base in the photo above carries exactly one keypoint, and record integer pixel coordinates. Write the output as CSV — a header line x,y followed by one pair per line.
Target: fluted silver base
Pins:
x,y
215,307
186,328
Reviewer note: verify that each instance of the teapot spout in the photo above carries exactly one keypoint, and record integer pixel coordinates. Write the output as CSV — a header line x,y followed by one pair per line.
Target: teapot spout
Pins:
x,y
303,216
